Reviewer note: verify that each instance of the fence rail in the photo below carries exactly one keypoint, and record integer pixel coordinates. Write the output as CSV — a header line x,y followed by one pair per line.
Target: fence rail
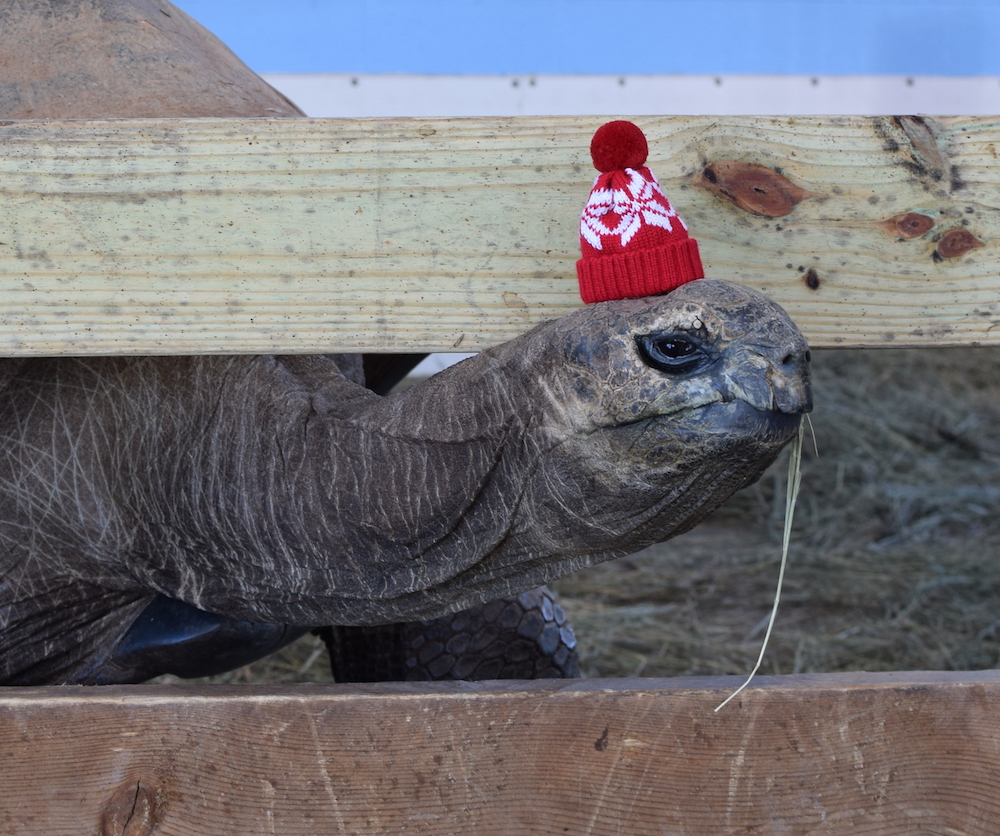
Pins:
x,y
308,235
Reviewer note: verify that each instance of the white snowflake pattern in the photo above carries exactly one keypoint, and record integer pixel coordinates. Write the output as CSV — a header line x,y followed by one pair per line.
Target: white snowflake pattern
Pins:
x,y
640,201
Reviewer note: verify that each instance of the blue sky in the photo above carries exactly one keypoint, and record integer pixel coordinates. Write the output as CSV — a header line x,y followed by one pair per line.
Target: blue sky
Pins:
x,y
813,37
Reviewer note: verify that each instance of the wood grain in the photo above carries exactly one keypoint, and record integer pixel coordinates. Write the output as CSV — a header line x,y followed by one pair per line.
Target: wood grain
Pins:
x,y
846,754
305,235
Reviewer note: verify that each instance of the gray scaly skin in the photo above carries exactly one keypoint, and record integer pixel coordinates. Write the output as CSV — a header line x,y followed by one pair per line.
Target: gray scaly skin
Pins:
x,y
279,490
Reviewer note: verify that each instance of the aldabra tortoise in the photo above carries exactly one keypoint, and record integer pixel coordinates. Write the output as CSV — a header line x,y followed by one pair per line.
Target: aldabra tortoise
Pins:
x,y
190,514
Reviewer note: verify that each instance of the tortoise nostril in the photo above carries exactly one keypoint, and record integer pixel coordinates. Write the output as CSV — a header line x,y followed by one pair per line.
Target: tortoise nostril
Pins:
x,y
792,357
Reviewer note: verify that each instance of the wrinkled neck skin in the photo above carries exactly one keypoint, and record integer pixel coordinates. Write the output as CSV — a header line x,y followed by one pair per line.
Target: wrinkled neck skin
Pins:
x,y
279,490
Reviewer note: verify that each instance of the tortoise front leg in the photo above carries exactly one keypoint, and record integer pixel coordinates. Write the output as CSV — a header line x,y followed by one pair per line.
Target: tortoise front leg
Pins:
x,y
525,636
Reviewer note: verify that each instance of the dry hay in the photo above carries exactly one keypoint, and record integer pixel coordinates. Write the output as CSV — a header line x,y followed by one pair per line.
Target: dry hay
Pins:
x,y
893,560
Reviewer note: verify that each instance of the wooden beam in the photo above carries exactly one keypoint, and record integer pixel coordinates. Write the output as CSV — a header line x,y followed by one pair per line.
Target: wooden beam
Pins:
x,y
882,754
305,235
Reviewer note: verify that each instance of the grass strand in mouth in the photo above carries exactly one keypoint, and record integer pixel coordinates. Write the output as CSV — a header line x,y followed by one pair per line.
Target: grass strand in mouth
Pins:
x,y
791,495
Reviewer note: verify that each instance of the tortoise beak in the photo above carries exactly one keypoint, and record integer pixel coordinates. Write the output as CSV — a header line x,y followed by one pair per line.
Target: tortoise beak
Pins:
x,y
791,389
771,379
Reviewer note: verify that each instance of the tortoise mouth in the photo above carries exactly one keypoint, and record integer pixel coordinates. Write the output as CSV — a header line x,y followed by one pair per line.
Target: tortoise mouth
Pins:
x,y
714,429
741,418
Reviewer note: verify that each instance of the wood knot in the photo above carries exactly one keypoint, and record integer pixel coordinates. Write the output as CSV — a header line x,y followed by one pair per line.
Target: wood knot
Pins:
x,y
512,300
957,242
601,744
910,225
133,810
927,156
753,188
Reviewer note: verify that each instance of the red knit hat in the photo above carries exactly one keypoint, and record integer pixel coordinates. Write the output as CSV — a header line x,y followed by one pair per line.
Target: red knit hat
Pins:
x,y
633,242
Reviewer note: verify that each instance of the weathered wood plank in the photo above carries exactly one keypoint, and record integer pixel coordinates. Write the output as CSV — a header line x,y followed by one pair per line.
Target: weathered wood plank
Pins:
x,y
830,754
181,236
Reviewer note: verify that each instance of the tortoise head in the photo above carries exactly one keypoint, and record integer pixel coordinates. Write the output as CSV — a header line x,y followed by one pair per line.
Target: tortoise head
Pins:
x,y
658,409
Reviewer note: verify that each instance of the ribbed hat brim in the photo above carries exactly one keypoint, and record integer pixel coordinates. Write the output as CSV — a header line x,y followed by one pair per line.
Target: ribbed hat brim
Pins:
x,y
645,272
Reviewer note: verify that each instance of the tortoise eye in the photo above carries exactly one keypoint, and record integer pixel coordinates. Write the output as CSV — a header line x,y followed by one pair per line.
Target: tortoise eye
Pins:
x,y
675,347
673,353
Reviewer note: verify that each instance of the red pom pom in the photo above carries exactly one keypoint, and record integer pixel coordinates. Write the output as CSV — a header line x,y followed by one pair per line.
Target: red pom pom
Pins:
x,y
618,145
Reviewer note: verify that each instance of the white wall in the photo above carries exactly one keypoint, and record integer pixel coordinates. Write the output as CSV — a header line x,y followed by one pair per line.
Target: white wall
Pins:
x,y
558,95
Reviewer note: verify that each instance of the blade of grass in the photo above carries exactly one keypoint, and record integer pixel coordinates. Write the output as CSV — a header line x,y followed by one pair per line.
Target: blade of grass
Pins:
x,y
791,495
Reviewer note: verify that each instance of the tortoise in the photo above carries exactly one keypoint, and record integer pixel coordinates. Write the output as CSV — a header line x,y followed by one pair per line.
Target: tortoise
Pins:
x,y
191,514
